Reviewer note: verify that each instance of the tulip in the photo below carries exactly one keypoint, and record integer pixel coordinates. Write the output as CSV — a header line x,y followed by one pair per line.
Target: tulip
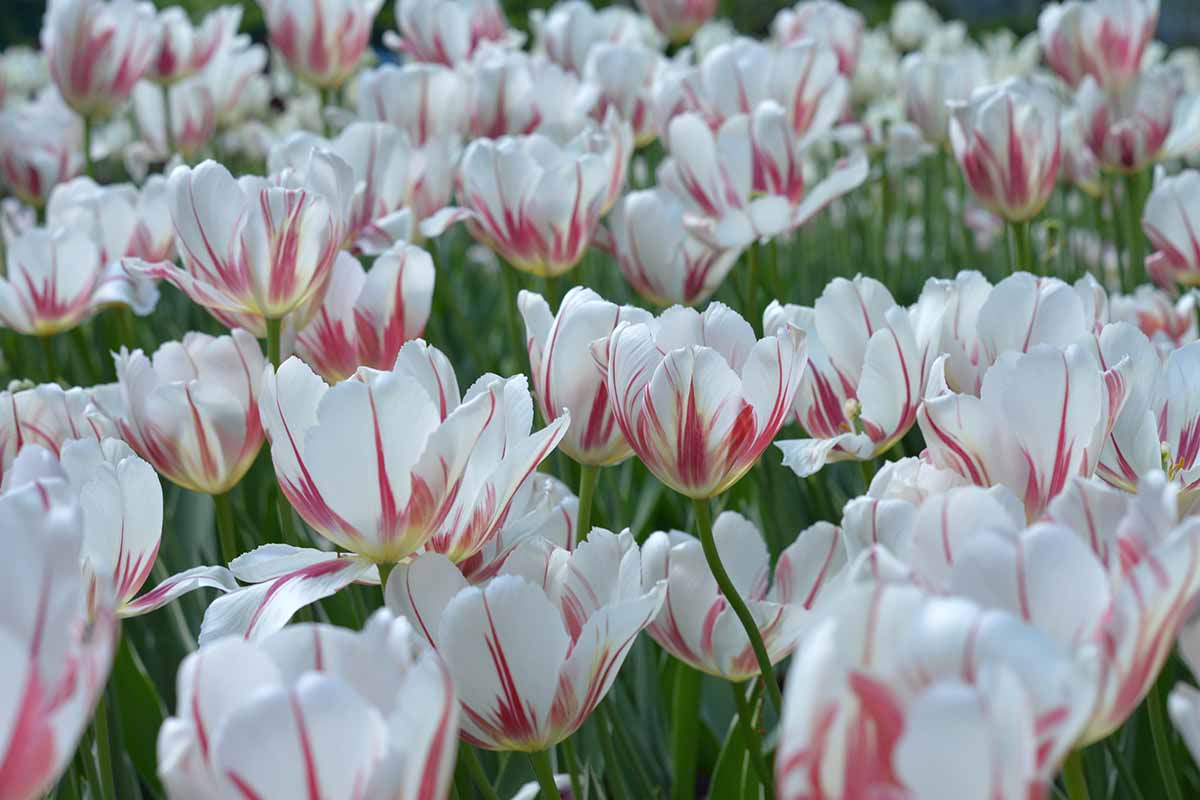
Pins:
x,y
121,504
368,713
534,649
367,316
1150,120
678,19
514,93
536,203
56,655
894,677
252,249
866,371
57,280
697,626
1080,166
192,118
284,579
912,24
826,20
98,50
565,380
430,102
1167,322
449,32
1006,139
386,463
322,41
191,409
665,262
1104,39
624,76
1171,222
182,49
41,146
381,159
122,219
47,416
1042,417
569,31
745,182
931,81
232,69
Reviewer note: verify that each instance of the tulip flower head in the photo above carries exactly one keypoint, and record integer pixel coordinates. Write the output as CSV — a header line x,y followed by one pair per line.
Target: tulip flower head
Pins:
x,y
534,649
1171,220
1101,39
123,220
346,712
564,377
570,30
624,76
1006,139
193,118
449,32
697,396
678,19
183,49
47,416
696,624
826,20
430,102
98,50
514,93
1168,322
191,409
930,81
41,146
322,41
866,371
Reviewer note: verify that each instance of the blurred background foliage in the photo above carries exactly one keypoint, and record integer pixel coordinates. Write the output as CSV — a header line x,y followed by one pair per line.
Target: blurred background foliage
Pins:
x,y
1179,22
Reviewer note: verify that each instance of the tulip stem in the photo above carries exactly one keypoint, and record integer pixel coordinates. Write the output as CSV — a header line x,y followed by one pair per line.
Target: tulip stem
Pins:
x,y
867,470
1133,205
226,530
704,526
1162,744
545,774
745,720
107,789
1073,777
385,569
168,126
1023,248
89,168
466,755
568,750
508,299
685,717
274,329
49,358
588,475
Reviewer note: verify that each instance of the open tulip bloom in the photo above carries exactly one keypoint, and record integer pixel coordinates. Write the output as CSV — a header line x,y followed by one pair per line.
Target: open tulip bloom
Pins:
x,y
322,41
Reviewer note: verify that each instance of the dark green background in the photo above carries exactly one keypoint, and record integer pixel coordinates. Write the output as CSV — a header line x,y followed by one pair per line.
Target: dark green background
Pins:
x,y
1179,23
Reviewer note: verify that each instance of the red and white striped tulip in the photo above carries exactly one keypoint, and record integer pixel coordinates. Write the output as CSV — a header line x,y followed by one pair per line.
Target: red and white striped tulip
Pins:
x,y
1041,418
183,49
678,19
449,32
56,655
193,119
537,203
698,396
231,72
387,463
41,146
254,249
98,50
191,409
564,378
367,316
123,220
1104,39
1171,221
894,678
1006,138
514,93
322,41
930,81
570,30
660,257
623,76
56,280
696,624
47,416
1168,322
865,376
534,649
368,713
823,20
430,102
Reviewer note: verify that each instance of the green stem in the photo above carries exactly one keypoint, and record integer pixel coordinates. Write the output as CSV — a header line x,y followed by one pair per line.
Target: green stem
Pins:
x,y
750,294
89,168
385,569
274,329
466,755
616,782
730,592
1023,248
1137,239
588,476
745,720
867,470
226,527
509,300
572,767
885,222
168,125
545,774
685,716
1162,744
86,354
125,327
1073,777
49,358
107,788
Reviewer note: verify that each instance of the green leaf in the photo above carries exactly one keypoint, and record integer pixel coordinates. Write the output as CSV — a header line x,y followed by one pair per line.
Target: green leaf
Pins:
x,y
141,711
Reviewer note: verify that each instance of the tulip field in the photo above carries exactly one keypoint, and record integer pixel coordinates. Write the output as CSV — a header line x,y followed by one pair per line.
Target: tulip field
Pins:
x,y
609,405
